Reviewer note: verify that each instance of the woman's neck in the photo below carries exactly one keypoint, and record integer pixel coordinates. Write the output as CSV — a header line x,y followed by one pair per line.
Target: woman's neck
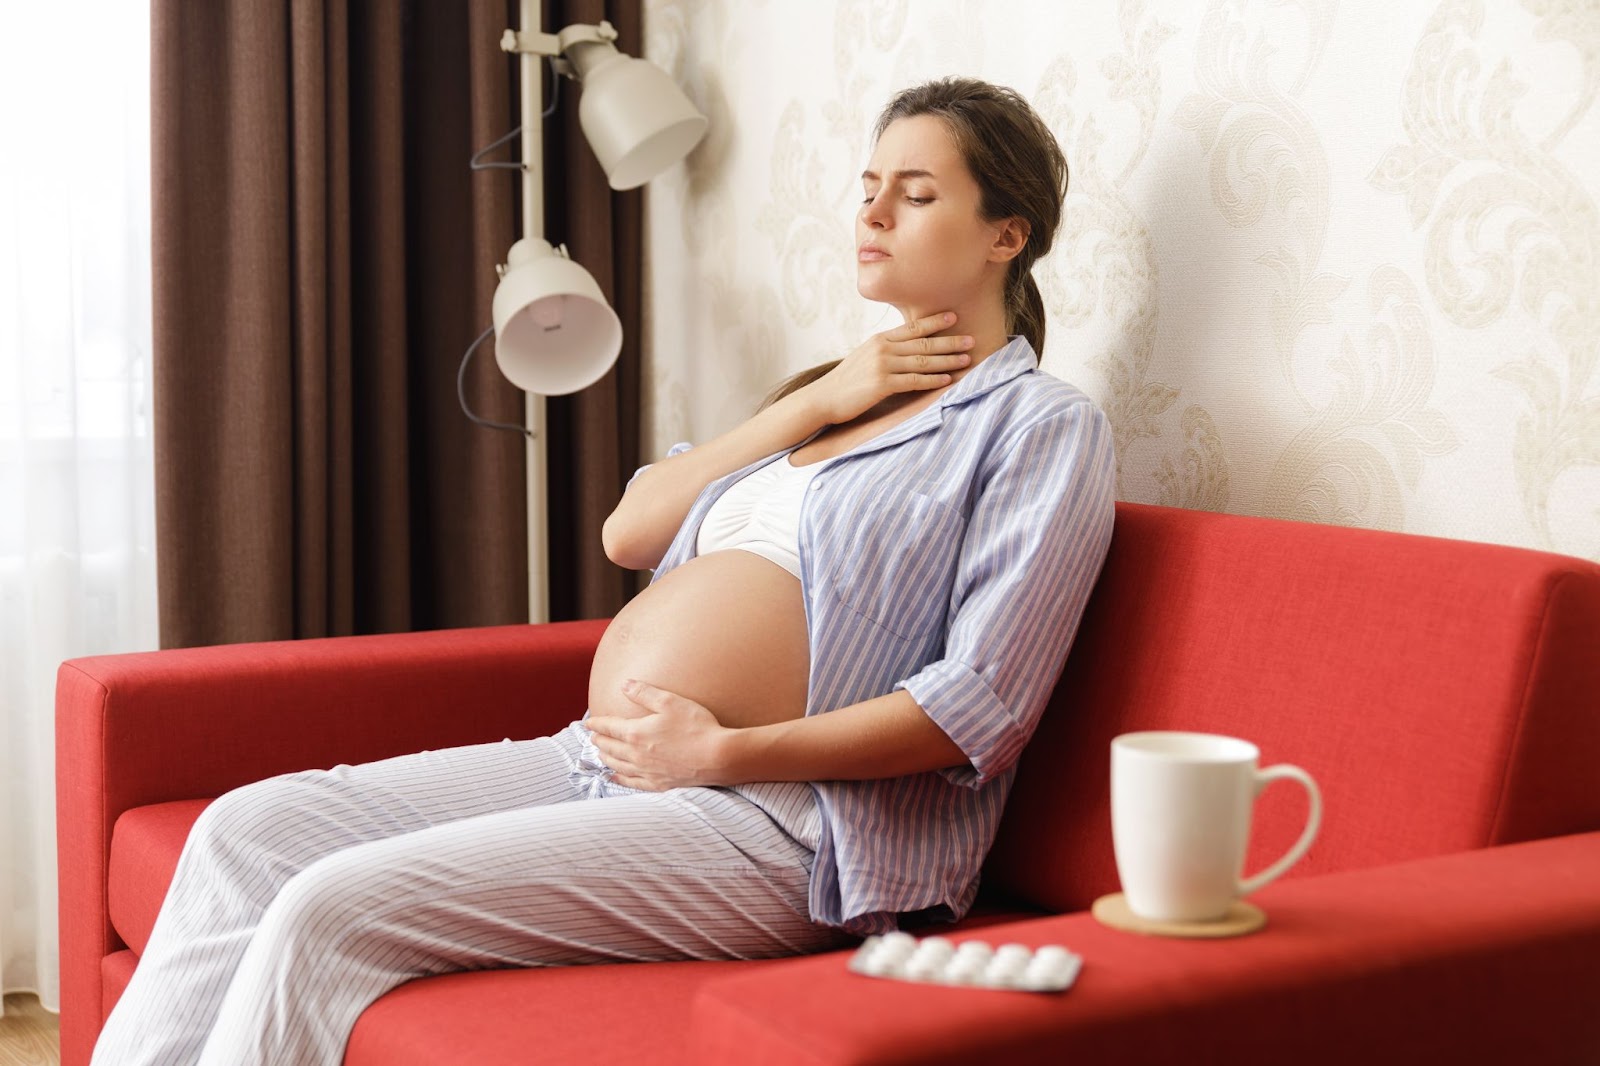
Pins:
x,y
982,319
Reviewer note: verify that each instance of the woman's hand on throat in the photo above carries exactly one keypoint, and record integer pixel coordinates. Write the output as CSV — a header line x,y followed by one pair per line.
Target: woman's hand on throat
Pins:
x,y
672,742
906,359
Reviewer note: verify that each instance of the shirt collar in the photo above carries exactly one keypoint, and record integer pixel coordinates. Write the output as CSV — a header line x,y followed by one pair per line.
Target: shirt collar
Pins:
x,y
1016,358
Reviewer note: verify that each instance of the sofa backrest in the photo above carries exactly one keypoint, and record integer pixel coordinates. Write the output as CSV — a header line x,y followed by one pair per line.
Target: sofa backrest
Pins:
x,y
1445,694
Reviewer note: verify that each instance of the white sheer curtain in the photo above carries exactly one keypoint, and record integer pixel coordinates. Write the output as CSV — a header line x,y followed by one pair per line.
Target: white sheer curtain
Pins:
x,y
77,529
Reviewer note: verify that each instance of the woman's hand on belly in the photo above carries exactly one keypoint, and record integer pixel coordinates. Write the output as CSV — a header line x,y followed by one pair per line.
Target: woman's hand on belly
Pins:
x,y
671,742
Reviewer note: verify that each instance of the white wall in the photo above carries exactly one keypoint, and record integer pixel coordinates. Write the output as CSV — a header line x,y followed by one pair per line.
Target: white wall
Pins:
x,y
1323,259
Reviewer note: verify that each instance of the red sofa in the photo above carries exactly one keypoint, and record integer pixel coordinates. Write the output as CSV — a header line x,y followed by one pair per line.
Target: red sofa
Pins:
x,y
1445,694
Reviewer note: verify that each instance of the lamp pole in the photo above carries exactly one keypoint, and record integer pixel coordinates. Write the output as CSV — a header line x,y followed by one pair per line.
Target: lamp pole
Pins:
x,y
555,333
533,229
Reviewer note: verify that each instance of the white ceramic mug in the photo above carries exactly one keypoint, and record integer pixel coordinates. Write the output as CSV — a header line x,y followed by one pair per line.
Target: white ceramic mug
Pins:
x,y
1180,822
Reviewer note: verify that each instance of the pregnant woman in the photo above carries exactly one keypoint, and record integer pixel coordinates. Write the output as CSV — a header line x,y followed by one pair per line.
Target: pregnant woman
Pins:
x,y
802,732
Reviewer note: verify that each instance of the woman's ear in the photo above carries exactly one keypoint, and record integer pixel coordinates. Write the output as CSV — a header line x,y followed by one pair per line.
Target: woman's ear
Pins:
x,y
1010,237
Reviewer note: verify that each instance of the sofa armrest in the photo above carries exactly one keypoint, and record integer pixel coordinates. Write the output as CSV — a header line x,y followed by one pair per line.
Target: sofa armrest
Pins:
x,y
1482,956
194,722
190,723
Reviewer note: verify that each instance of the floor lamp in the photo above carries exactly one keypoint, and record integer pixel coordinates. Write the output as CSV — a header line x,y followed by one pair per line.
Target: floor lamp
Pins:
x,y
554,332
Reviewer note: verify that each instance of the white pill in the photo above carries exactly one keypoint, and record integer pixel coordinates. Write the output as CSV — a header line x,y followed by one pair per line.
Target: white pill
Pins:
x,y
1008,962
879,966
1055,954
1070,970
974,949
898,945
1045,964
962,972
864,961
936,947
1001,975
1031,982
970,962
1013,954
923,970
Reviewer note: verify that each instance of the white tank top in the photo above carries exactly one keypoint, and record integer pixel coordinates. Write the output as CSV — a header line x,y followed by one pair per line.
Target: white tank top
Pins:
x,y
760,513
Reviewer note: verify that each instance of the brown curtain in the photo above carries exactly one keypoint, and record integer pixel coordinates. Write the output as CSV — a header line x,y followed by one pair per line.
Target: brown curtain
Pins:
x,y
322,257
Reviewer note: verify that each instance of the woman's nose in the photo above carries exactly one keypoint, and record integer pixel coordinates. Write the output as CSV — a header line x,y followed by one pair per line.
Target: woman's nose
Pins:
x,y
875,213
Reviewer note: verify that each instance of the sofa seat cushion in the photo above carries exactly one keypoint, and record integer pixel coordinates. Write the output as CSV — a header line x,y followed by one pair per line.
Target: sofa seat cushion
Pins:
x,y
116,970
639,1011
145,845
635,1012
630,1013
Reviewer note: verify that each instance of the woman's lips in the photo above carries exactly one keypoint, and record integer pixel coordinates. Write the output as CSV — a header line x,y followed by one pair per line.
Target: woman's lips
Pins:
x,y
870,253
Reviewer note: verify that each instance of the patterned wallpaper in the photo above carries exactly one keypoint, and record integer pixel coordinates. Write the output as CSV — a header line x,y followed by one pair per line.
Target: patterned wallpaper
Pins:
x,y
1331,260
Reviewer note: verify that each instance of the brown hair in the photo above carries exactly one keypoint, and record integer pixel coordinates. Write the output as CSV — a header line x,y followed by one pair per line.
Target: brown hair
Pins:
x,y
1019,169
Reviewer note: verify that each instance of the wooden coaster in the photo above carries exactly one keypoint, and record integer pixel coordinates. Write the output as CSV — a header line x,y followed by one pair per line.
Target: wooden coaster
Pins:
x,y
1242,918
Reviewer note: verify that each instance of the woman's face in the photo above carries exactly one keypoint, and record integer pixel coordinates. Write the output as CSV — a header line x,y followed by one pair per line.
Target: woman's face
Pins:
x,y
921,244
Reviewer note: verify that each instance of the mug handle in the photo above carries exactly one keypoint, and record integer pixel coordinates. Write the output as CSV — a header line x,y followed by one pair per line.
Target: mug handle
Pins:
x,y
1293,855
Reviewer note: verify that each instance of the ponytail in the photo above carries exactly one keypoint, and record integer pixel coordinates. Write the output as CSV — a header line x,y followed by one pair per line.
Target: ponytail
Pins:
x,y
1025,311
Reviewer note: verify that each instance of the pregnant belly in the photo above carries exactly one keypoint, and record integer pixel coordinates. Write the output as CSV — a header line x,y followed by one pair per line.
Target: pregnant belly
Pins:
x,y
727,630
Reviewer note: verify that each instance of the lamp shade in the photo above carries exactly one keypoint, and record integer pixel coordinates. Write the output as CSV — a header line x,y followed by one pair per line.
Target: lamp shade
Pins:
x,y
554,333
634,115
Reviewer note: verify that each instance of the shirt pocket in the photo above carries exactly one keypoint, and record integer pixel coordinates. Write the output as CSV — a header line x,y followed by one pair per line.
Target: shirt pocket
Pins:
x,y
899,564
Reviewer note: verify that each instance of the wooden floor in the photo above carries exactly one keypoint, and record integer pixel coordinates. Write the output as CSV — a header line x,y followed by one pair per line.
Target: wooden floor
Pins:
x,y
28,1033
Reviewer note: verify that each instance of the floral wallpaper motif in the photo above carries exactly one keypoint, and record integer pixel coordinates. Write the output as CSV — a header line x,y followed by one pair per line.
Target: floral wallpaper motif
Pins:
x,y
1359,448
1105,270
1512,235
1332,260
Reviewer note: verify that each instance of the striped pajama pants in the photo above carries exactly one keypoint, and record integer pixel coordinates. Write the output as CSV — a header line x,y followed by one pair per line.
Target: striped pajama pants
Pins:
x,y
301,899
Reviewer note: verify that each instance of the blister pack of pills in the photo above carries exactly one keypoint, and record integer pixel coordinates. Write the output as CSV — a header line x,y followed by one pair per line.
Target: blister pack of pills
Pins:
x,y
972,963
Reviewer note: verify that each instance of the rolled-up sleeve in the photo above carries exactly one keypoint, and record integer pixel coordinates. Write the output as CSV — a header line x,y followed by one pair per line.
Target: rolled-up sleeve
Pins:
x,y
1033,548
677,449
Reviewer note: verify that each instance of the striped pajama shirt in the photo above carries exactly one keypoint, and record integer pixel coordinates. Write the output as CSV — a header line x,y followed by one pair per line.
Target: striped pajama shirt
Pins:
x,y
950,556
